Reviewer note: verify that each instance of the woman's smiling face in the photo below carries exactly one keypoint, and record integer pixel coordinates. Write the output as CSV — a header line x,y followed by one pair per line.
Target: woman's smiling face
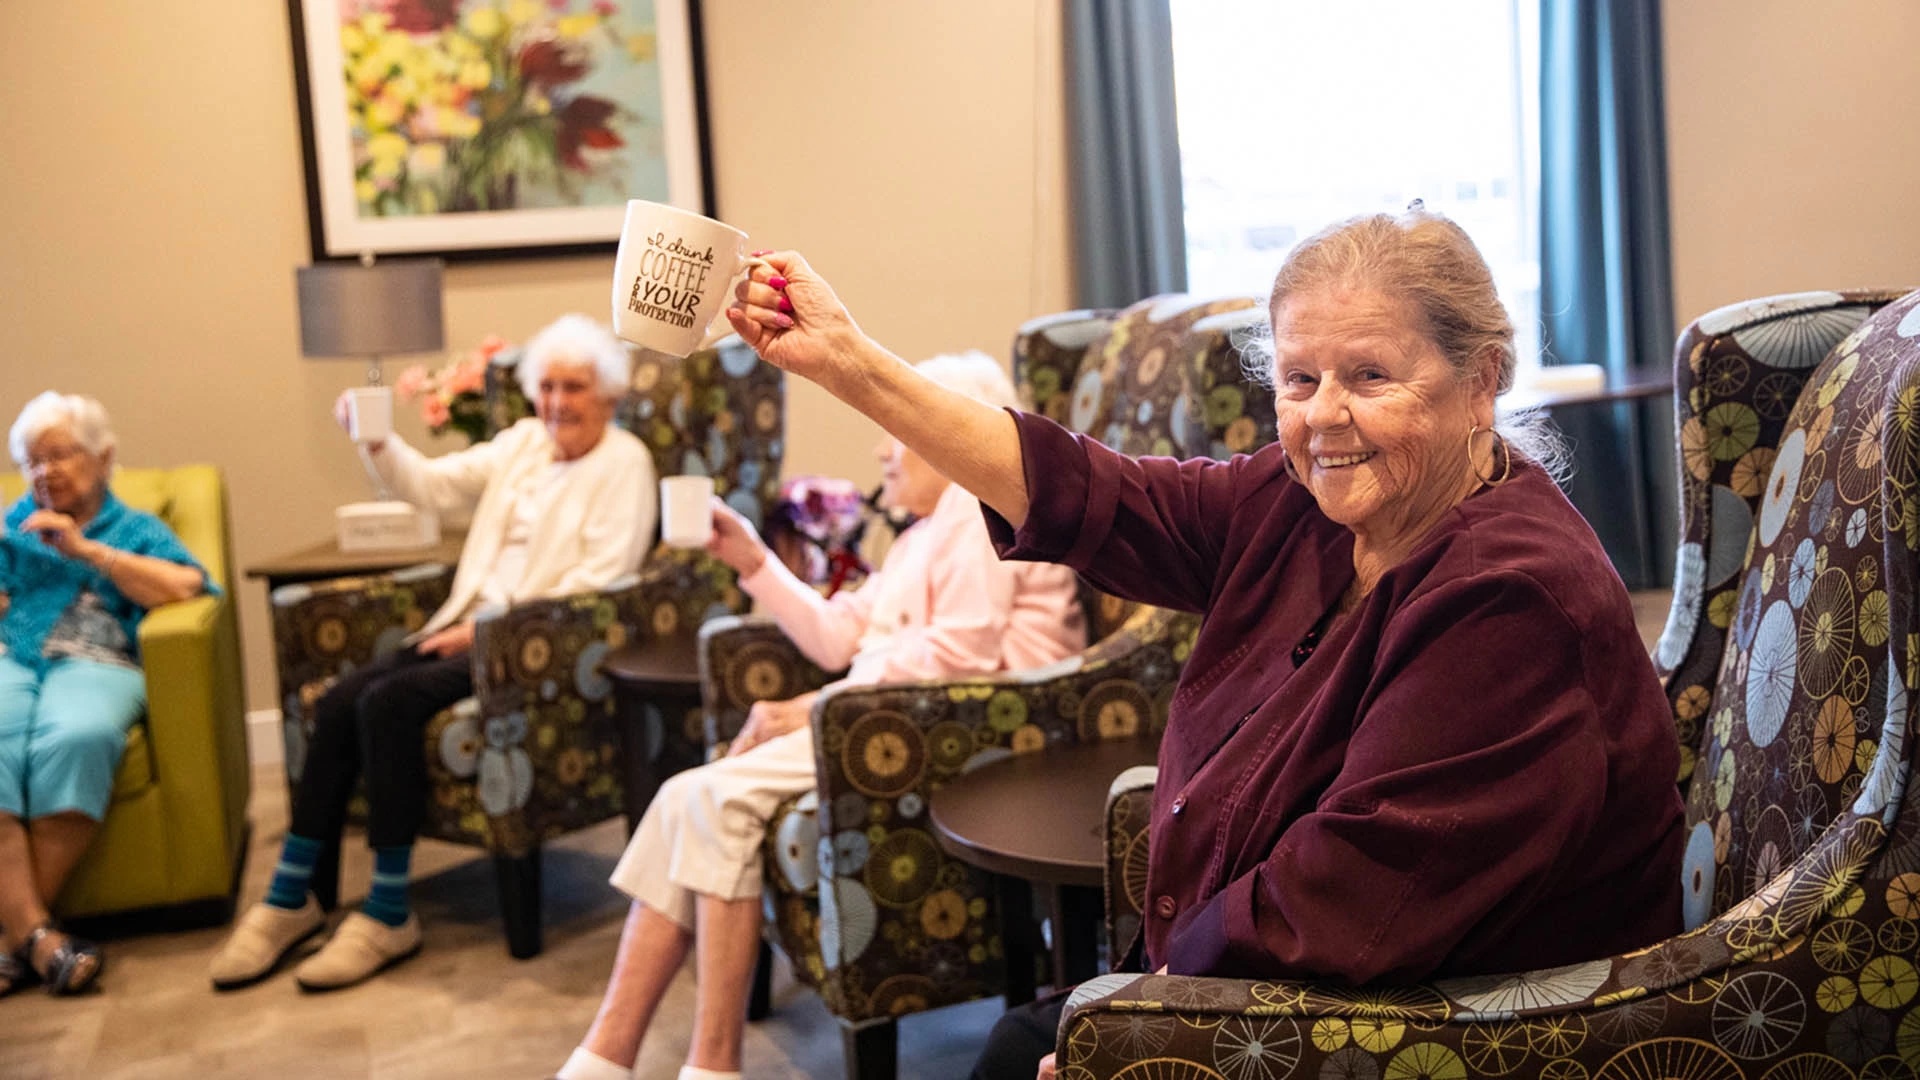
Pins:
x,y
1373,418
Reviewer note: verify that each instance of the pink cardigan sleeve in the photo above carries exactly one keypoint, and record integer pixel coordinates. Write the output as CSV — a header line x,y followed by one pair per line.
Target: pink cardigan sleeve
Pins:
x,y
827,630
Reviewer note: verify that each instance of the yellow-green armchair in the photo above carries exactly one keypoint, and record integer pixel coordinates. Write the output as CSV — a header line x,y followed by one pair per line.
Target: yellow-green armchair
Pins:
x,y
175,834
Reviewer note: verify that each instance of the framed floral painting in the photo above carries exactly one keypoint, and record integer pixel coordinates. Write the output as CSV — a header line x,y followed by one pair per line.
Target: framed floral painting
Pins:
x,y
478,128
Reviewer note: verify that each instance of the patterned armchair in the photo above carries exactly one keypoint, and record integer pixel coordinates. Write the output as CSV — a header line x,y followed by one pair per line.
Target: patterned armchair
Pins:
x,y
532,755
859,895
1788,654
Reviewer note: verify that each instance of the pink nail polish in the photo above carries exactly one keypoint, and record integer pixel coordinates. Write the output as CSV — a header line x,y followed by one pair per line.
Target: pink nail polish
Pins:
x,y
762,251
785,305
784,322
777,282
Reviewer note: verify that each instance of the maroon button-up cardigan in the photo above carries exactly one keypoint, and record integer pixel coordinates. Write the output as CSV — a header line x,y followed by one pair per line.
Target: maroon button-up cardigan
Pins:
x,y
1474,772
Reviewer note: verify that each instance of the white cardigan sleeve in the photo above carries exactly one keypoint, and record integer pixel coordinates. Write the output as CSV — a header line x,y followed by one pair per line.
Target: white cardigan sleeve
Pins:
x,y
451,483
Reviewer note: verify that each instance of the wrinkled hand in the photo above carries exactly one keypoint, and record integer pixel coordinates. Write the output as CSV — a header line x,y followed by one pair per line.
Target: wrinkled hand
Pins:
x,y
1046,1068
768,720
735,541
57,531
812,336
452,641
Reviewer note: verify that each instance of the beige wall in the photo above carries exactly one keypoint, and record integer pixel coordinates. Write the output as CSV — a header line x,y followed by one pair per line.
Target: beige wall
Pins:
x,y
151,214
1793,146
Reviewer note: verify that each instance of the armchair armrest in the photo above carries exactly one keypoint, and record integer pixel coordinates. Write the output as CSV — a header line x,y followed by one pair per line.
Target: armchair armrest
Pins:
x,y
196,726
1129,808
546,707
744,659
320,627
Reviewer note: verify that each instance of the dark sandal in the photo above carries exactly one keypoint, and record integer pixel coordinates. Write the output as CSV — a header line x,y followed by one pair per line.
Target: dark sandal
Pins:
x,y
15,974
74,965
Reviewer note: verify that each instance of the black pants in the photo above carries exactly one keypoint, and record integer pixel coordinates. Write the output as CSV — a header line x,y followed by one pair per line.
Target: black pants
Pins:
x,y
374,722
1020,1038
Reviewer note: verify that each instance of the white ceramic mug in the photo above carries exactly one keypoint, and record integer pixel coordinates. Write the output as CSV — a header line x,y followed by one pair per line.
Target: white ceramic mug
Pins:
x,y
675,272
369,413
686,510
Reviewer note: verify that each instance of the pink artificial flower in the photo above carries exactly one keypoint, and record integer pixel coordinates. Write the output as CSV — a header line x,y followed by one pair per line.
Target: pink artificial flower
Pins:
x,y
411,383
466,378
607,8
491,344
435,412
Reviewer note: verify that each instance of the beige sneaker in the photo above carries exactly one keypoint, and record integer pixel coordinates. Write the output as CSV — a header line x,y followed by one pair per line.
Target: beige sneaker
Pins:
x,y
262,938
361,948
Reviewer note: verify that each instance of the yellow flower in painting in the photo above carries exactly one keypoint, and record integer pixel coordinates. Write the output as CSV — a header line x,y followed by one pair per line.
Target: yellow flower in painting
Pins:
x,y
427,159
365,191
352,40
369,73
483,22
459,125
387,147
640,47
402,89
475,74
374,23
385,113
538,103
522,12
461,47
577,26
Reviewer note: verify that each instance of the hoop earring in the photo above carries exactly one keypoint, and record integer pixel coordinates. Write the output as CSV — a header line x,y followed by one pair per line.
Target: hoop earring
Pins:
x,y
1505,457
1286,462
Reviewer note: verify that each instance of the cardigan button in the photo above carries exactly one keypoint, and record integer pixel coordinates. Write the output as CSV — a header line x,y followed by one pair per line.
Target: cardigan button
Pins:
x,y
1166,907
1179,803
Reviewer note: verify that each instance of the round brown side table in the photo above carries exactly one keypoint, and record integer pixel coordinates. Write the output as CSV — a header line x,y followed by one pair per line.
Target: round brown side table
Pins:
x,y
657,709
988,818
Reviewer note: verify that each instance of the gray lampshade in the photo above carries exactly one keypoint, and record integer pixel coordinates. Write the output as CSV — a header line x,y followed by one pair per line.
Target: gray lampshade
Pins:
x,y
389,307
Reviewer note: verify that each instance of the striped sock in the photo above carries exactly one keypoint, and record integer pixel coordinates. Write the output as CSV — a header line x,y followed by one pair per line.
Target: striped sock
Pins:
x,y
290,876
387,900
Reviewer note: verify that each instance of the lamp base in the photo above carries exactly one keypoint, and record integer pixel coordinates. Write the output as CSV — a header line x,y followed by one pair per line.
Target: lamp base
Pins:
x,y
384,526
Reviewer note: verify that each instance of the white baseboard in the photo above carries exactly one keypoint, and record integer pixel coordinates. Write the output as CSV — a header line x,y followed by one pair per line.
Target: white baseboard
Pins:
x,y
265,743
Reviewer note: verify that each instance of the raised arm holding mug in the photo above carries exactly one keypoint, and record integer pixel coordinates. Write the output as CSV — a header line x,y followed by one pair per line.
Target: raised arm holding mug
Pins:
x,y
1418,734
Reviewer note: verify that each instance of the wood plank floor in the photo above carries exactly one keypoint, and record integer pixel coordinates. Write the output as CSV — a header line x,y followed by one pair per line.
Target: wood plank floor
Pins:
x,y
462,1010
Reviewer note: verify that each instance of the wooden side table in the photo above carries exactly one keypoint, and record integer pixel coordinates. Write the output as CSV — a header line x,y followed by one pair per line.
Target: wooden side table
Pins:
x,y
986,818
325,560
658,712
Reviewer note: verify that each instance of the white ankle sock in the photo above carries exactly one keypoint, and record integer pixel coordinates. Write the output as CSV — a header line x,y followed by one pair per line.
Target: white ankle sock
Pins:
x,y
584,1064
690,1072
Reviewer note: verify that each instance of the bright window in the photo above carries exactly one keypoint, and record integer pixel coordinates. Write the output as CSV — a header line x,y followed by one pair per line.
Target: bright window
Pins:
x,y
1297,113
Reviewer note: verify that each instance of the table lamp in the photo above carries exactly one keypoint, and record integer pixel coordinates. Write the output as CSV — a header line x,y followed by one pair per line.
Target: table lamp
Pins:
x,y
369,310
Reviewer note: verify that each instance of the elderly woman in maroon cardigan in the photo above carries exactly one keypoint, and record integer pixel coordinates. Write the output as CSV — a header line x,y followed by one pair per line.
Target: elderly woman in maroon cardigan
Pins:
x,y
1418,734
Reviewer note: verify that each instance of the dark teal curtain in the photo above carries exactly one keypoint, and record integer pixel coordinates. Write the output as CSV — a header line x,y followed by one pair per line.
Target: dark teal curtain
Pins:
x,y
1606,294
1130,237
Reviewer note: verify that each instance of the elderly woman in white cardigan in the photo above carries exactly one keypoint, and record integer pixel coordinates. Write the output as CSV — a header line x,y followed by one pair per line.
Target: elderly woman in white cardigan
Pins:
x,y
562,502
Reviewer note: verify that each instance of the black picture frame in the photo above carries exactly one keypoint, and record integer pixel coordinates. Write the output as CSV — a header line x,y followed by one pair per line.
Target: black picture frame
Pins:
x,y
338,228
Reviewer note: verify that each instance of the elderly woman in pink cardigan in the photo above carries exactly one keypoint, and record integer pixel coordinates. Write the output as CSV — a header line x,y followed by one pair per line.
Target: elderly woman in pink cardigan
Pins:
x,y
941,606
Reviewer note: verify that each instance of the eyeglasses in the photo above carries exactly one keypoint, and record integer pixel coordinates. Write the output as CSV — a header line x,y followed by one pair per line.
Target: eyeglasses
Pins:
x,y
63,456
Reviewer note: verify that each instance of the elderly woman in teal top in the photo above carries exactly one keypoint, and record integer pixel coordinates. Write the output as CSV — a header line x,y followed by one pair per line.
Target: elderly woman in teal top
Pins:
x,y
78,570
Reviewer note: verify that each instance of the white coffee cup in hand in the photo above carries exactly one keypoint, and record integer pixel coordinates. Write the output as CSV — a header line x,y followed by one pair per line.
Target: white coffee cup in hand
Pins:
x,y
686,518
369,413
673,275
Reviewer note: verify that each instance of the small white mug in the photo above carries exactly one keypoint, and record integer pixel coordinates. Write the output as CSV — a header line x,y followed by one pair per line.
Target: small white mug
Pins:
x,y
686,510
675,271
369,413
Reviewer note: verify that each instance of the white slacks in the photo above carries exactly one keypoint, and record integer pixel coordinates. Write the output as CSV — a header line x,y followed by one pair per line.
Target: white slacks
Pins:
x,y
703,831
